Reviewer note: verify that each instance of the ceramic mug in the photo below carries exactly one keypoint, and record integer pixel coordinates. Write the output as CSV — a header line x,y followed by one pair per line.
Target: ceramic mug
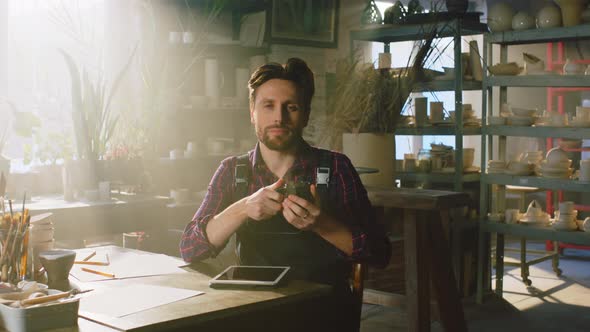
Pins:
x,y
586,225
585,170
566,207
420,108
436,111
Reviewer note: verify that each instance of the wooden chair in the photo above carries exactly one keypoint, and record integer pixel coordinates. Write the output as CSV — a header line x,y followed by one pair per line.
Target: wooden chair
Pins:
x,y
359,271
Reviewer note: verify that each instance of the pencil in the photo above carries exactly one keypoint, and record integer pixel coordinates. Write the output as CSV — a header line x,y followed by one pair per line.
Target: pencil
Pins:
x,y
89,256
104,274
92,263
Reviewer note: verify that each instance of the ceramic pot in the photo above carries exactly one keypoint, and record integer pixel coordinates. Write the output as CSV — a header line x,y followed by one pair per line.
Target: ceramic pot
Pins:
x,y
522,21
457,6
58,264
374,151
500,17
571,11
394,14
573,68
549,17
371,14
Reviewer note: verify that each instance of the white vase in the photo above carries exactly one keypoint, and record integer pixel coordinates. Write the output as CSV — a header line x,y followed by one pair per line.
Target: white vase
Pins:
x,y
549,17
522,21
500,17
4,166
571,11
374,151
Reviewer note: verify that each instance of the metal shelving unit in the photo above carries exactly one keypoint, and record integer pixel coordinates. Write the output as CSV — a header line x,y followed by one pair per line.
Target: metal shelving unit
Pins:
x,y
455,28
502,132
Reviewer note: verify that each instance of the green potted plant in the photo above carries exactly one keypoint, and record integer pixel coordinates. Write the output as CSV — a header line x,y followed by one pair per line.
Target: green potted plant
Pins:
x,y
93,119
365,109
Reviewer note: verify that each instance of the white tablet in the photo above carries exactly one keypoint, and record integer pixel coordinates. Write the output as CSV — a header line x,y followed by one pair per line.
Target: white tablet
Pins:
x,y
244,275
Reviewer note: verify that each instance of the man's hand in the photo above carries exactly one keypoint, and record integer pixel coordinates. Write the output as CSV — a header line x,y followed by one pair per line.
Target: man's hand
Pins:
x,y
301,213
266,202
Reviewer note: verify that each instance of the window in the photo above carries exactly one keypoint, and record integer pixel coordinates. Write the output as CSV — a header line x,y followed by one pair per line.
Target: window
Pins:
x,y
36,106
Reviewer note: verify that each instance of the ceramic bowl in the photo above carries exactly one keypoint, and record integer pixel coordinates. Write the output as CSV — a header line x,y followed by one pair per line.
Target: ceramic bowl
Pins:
x,y
573,68
510,68
556,155
522,21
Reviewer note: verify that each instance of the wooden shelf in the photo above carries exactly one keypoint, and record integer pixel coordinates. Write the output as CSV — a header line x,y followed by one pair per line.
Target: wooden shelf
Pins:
x,y
524,131
447,85
537,36
538,233
406,32
539,81
536,181
436,177
437,131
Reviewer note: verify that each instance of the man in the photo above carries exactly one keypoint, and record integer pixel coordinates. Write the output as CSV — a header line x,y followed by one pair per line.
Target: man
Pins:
x,y
318,237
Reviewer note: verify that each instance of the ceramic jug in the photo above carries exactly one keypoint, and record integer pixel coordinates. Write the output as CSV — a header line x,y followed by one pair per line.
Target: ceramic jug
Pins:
x,y
571,11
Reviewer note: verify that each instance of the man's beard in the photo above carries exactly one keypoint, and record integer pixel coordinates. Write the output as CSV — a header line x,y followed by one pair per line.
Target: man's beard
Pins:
x,y
278,143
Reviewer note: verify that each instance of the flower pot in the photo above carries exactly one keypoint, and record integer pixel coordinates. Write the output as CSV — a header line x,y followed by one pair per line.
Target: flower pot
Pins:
x,y
374,151
571,11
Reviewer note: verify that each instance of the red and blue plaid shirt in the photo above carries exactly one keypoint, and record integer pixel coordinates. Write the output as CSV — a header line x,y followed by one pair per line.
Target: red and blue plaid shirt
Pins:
x,y
348,203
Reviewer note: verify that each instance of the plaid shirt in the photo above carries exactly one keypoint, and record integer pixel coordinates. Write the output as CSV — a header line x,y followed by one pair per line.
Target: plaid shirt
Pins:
x,y
348,203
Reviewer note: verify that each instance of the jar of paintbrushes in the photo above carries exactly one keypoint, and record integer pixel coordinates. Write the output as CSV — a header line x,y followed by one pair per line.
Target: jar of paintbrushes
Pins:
x,y
14,243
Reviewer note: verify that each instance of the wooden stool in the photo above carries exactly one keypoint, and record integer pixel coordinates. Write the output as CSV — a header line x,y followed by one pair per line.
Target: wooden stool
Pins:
x,y
427,253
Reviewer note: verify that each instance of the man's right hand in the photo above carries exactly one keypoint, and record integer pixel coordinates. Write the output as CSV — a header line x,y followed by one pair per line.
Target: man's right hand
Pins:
x,y
266,202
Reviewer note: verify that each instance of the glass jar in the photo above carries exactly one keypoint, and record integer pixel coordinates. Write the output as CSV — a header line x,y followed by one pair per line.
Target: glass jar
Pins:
x,y
424,161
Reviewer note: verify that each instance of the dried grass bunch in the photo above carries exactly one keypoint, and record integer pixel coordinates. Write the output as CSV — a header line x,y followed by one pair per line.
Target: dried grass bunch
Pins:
x,y
368,100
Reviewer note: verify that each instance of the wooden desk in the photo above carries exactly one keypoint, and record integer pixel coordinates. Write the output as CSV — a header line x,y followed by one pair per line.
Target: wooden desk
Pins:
x,y
427,254
297,306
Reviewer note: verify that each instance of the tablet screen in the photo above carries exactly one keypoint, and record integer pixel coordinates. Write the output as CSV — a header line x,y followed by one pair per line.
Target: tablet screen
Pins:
x,y
261,275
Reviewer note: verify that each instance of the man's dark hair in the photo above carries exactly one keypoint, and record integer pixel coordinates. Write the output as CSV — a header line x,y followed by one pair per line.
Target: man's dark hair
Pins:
x,y
295,70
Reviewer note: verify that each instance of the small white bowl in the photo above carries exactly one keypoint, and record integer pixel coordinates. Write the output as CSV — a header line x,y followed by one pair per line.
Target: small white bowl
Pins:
x,y
556,156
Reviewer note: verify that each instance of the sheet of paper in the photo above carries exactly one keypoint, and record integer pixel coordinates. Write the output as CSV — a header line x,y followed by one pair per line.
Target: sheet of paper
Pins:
x,y
123,301
124,264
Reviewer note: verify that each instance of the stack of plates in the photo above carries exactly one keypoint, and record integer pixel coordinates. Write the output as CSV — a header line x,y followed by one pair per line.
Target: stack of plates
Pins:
x,y
516,120
496,166
557,171
41,234
472,122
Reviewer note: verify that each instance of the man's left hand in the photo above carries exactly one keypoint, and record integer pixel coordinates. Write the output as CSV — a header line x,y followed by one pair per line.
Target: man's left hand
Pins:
x,y
301,213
